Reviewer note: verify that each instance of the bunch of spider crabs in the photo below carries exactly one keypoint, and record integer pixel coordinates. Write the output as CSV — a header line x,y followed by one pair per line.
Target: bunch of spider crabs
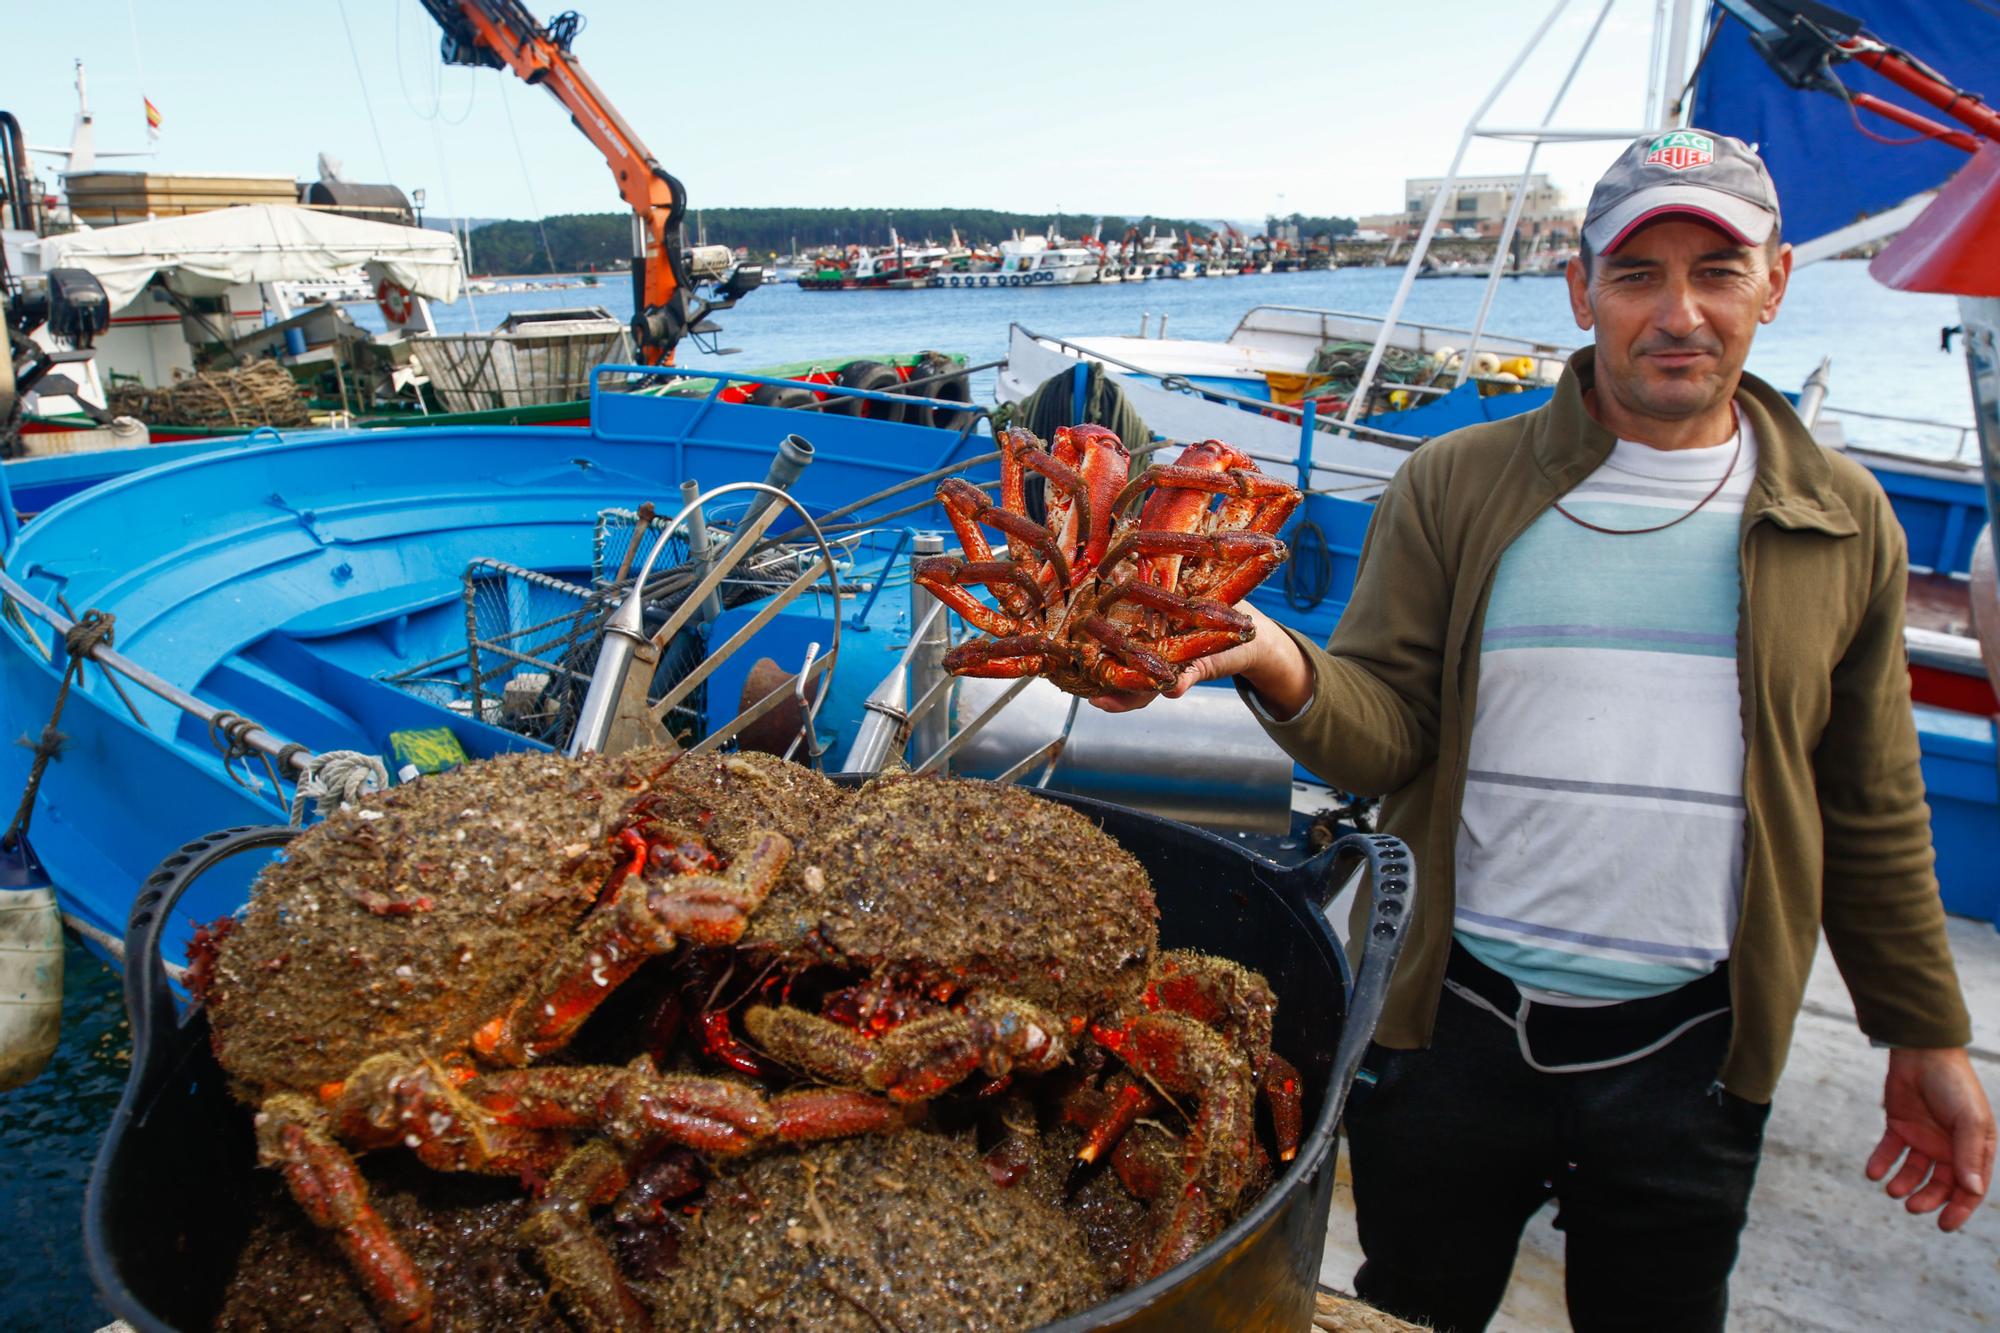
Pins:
x,y
744,1048
1101,598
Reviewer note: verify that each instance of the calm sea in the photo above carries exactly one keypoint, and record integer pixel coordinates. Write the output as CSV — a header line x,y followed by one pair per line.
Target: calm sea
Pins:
x,y
1886,359
1884,344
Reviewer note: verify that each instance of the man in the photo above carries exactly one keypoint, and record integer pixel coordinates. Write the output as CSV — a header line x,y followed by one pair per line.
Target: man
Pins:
x,y
1629,671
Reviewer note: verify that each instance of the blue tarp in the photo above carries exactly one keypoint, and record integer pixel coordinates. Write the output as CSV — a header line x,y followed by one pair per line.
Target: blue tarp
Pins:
x,y
1463,406
1829,173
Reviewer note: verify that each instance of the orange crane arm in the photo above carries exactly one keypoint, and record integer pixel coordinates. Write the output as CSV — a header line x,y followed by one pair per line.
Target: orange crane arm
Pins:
x,y
502,34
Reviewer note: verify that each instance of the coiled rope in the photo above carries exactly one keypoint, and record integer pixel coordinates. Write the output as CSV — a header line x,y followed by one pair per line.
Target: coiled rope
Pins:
x,y
79,641
338,777
1309,573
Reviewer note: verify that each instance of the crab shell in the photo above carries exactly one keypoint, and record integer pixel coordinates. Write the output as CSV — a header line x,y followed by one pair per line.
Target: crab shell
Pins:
x,y
406,923
971,884
903,1231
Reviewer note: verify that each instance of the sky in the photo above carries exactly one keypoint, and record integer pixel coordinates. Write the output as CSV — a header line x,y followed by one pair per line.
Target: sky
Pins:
x,y
1197,110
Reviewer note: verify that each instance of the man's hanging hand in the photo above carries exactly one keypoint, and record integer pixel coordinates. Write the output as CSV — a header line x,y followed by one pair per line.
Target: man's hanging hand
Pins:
x,y
1941,1127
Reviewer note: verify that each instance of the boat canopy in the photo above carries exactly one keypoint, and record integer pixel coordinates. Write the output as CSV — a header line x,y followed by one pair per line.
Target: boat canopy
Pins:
x,y
1828,172
204,254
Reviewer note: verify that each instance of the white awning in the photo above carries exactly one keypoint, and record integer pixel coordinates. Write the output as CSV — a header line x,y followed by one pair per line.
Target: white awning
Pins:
x,y
204,254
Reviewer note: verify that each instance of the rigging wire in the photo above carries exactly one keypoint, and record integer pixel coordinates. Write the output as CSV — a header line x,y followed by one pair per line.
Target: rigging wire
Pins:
x,y
362,79
527,179
436,83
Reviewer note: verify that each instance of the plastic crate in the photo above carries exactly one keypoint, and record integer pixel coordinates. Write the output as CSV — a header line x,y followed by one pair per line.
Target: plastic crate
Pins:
x,y
1962,783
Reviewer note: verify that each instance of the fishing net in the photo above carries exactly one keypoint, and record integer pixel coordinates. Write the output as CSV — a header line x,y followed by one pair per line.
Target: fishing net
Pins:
x,y
1342,363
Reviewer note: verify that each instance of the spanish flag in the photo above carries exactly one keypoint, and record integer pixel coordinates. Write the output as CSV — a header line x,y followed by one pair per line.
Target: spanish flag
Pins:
x,y
152,118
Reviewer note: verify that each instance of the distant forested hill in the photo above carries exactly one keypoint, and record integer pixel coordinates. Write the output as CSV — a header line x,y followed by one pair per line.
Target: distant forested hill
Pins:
x,y
580,241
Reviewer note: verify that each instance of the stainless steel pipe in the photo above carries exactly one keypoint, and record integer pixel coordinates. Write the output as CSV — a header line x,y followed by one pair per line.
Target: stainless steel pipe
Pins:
x,y
927,661
1201,759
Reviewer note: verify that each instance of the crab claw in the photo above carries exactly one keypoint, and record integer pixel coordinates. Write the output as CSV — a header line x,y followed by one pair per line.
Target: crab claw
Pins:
x,y
1183,1057
292,1135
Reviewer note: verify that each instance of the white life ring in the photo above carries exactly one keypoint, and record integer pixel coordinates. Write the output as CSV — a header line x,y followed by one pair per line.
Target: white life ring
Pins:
x,y
395,301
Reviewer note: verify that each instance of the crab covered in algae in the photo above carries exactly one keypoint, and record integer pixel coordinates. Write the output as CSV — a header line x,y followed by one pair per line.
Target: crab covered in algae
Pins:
x,y
398,975
903,1231
935,931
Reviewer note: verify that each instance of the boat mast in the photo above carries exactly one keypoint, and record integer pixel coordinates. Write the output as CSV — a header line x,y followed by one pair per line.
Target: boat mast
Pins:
x,y
1664,95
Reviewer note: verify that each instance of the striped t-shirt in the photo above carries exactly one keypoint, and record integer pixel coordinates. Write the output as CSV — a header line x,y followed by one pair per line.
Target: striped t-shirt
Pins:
x,y
1600,847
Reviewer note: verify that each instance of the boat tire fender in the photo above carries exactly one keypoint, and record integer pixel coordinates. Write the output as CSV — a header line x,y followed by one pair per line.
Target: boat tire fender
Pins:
x,y
782,395
874,377
957,389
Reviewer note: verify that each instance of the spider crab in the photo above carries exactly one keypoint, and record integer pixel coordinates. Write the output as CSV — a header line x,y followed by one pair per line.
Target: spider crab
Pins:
x,y
941,931
396,977
1095,600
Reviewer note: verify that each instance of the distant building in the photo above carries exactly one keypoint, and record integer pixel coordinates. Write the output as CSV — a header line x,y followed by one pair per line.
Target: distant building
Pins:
x,y
1478,207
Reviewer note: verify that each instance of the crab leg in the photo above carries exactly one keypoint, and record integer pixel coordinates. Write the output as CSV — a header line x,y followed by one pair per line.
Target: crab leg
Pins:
x,y
917,1060
582,1272
1137,661
1181,1056
292,1136
1128,1103
642,1108
1227,546
967,507
642,920
1180,491
1088,465
945,576
1238,1003
1219,626
1013,656
393,1099
1247,559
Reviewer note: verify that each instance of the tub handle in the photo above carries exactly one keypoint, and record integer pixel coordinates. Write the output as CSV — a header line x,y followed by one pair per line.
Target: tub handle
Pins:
x,y
1392,886
149,999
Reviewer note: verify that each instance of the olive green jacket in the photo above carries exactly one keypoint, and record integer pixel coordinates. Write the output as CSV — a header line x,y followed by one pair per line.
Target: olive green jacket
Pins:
x,y
1836,831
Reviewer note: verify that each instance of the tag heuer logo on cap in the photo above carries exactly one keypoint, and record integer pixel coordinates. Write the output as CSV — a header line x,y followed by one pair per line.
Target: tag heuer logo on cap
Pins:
x,y
1681,150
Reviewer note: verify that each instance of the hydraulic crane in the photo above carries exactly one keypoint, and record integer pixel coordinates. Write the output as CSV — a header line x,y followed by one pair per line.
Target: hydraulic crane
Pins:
x,y
502,34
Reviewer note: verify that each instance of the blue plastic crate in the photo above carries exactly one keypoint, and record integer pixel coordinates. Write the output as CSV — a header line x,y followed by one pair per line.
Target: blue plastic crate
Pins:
x,y
1963,785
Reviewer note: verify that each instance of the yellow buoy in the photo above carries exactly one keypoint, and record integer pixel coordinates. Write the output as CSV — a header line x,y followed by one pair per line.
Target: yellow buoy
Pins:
x,y
1520,367
31,981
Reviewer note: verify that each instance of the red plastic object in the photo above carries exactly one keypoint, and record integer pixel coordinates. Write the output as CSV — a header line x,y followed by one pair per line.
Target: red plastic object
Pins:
x,y
1954,245
1949,689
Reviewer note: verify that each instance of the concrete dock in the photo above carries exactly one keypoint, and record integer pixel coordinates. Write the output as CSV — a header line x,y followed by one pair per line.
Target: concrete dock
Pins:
x,y
1826,1249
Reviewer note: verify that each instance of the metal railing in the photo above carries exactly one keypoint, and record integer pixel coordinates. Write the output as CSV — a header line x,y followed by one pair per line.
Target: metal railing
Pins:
x,y
1963,455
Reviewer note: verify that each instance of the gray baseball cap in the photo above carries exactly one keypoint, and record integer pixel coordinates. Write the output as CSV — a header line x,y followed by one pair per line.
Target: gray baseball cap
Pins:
x,y
1711,176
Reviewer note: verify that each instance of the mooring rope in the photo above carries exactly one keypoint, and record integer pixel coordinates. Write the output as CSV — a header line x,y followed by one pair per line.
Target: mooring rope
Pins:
x,y
79,641
342,776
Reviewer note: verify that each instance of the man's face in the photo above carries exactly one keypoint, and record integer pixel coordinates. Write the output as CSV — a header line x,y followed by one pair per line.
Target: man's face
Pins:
x,y
1674,309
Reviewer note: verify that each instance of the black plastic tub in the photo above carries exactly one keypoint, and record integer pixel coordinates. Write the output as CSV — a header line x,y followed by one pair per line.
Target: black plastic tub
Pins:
x,y
168,1205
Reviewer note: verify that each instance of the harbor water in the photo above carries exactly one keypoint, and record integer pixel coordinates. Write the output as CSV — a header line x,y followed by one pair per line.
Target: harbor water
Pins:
x,y
1884,344
1886,359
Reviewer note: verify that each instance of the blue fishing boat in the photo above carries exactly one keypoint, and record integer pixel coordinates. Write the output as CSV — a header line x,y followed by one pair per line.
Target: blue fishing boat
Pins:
x,y
274,601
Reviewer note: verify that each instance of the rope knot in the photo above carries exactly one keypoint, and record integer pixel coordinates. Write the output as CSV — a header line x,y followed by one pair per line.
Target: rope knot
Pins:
x,y
91,629
46,746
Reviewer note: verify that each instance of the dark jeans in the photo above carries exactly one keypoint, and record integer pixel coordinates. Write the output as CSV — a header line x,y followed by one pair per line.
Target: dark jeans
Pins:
x,y
1455,1147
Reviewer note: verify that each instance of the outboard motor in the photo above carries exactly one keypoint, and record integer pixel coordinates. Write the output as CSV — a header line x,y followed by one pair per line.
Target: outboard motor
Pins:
x,y
78,308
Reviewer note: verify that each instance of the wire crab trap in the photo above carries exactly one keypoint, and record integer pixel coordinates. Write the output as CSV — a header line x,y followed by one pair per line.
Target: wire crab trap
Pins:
x,y
533,641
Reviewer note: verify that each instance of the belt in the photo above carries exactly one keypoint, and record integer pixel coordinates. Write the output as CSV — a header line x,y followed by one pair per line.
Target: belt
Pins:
x,y
1561,1039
